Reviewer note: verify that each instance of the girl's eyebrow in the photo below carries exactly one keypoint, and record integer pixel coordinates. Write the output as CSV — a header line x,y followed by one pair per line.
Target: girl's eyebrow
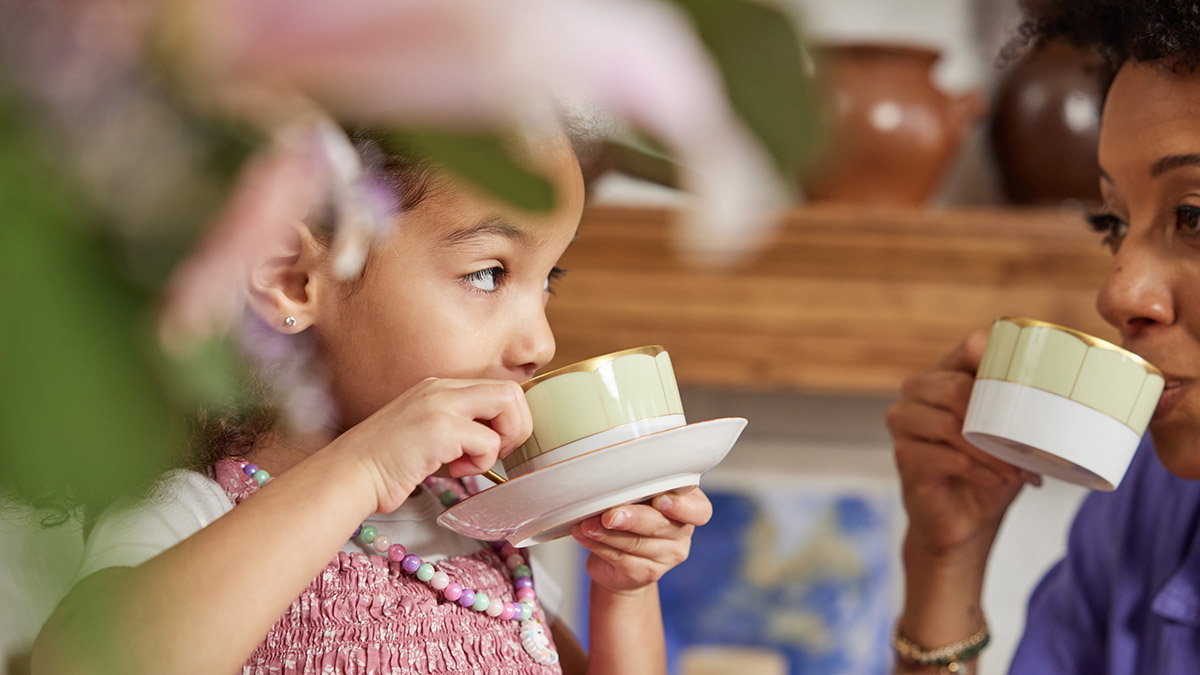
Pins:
x,y
1173,162
490,227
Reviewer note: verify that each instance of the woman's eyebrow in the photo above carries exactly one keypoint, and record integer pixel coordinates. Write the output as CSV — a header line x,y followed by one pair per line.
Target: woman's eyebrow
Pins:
x,y
1173,162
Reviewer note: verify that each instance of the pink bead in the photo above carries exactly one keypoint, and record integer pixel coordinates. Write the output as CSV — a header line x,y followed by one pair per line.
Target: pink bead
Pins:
x,y
514,561
453,591
508,612
526,594
382,544
396,552
508,549
440,580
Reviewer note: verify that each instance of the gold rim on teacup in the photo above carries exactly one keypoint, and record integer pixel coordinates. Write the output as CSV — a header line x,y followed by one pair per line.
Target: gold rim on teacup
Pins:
x,y
1087,338
595,403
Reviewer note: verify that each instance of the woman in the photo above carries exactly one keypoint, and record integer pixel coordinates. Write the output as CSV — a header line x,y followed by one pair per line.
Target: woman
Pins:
x,y
1126,597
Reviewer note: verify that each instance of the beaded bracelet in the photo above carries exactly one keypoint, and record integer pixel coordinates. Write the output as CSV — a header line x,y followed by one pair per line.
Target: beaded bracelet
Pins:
x,y
953,658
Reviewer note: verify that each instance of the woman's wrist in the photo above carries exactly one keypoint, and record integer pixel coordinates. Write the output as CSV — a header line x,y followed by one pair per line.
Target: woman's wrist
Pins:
x,y
943,593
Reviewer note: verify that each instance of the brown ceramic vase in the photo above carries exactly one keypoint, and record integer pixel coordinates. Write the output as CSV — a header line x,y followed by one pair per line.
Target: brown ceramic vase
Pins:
x,y
891,133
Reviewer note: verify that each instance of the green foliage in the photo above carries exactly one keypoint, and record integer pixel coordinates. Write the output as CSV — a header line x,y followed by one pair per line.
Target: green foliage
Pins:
x,y
762,59
485,160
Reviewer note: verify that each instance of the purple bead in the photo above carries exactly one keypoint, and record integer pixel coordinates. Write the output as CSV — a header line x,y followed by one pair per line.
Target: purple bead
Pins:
x,y
357,531
249,469
467,598
524,582
410,563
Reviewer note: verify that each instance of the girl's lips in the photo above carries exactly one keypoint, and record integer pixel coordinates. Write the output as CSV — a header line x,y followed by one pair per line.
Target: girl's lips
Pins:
x,y
1173,391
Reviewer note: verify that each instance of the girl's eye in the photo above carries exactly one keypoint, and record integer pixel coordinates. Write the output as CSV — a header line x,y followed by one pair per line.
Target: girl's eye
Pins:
x,y
1187,220
555,274
1112,227
485,279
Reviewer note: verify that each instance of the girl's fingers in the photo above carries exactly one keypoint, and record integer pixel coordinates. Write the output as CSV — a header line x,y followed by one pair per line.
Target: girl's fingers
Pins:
x,y
689,506
497,404
626,549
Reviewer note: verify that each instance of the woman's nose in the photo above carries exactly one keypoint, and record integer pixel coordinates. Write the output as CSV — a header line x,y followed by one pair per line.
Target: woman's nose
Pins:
x,y
1136,293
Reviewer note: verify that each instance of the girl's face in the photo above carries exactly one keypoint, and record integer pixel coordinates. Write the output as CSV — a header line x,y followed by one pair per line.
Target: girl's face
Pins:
x,y
1150,164
457,288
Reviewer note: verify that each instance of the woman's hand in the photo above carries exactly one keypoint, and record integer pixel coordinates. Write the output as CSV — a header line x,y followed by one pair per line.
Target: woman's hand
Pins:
x,y
633,546
955,493
465,425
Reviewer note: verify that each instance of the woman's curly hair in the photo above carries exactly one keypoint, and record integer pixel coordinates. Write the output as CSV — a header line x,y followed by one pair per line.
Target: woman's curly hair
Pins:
x,y
1118,30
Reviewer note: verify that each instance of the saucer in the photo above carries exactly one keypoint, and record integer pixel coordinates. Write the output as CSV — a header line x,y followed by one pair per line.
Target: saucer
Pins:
x,y
545,504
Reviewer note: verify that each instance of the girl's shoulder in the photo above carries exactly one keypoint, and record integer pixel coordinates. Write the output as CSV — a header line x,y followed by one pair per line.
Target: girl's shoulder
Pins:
x,y
134,530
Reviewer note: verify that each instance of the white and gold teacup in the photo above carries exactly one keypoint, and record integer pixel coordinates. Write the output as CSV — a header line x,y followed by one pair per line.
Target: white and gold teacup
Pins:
x,y
597,403
1057,401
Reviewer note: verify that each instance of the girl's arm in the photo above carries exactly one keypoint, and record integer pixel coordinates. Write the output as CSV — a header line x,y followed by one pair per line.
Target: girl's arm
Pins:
x,y
204,604
631,548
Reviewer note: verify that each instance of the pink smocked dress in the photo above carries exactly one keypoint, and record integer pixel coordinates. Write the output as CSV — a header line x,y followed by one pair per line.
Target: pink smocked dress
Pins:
x,y
364,615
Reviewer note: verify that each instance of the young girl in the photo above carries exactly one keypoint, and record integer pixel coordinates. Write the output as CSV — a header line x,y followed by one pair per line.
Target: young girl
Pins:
x,y
422,353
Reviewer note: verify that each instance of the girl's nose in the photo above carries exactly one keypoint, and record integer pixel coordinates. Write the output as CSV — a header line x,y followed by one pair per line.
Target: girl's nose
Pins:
x,y
533,345
1136,294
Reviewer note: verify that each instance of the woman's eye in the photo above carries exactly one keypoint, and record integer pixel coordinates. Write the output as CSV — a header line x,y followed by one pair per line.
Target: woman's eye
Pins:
x,y
485,279
555,274
1112,227
1187,220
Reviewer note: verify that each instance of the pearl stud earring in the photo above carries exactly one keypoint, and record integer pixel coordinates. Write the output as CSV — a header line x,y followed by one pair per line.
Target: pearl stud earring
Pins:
x,y
290,321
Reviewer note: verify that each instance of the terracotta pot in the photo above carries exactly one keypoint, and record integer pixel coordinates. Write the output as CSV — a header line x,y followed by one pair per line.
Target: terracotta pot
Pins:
x,y
892,133
1046,125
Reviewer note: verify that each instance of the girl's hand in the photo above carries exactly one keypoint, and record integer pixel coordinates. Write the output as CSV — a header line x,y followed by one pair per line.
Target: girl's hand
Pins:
x,y
465,425
633,546
955,494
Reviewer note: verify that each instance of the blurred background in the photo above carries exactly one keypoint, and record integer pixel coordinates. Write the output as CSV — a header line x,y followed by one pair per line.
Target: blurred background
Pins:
x,y
942,188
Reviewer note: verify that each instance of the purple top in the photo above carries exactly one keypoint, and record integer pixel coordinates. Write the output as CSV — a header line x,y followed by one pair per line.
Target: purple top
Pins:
x,y
1125,600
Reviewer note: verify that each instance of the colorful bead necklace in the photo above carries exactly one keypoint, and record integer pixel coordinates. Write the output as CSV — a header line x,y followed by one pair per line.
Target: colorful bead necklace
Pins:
x,y
532,633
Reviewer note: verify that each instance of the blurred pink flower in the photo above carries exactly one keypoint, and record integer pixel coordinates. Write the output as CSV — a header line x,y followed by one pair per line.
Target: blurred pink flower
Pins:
x,y
485,63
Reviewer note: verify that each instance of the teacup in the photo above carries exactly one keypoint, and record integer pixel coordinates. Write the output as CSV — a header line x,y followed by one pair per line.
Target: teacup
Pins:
x,y
597,403
1057,401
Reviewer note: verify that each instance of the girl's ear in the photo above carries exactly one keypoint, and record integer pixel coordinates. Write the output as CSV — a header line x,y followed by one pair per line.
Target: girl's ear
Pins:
x,y
283,284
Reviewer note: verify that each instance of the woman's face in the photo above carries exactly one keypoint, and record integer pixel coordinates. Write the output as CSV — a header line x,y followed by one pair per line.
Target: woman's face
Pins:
x,y
457,288
1150,182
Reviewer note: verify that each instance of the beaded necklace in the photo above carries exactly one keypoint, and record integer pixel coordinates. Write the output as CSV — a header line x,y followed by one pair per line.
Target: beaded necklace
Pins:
x,y
532,633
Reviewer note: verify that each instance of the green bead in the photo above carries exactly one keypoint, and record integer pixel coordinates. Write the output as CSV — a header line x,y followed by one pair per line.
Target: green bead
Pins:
x,y
425,572
261,476
522,571
368,534
481,602
448,498
526,611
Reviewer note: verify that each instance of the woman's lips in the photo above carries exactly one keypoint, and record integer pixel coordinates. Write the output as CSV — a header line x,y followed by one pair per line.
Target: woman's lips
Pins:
x,y
1173,391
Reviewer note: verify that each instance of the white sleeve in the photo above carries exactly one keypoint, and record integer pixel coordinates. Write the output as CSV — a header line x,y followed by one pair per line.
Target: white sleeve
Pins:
x,y
549,593
129,534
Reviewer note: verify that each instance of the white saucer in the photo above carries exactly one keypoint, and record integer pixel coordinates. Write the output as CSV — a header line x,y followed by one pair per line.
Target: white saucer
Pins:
x,y
544,504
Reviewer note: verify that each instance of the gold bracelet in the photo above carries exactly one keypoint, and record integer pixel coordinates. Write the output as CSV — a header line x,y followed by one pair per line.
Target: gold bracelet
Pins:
x,y
951,659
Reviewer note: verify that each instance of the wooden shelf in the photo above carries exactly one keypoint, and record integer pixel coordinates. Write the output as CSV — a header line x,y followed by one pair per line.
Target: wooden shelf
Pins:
x,y
843,300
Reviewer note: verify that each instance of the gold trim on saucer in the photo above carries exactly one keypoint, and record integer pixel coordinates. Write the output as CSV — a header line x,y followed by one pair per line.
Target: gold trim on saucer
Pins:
x,y
1087,339
593,364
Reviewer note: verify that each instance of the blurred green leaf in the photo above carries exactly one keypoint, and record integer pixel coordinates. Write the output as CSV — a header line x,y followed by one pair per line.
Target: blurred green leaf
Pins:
x,y
483,159
80,407
760,54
